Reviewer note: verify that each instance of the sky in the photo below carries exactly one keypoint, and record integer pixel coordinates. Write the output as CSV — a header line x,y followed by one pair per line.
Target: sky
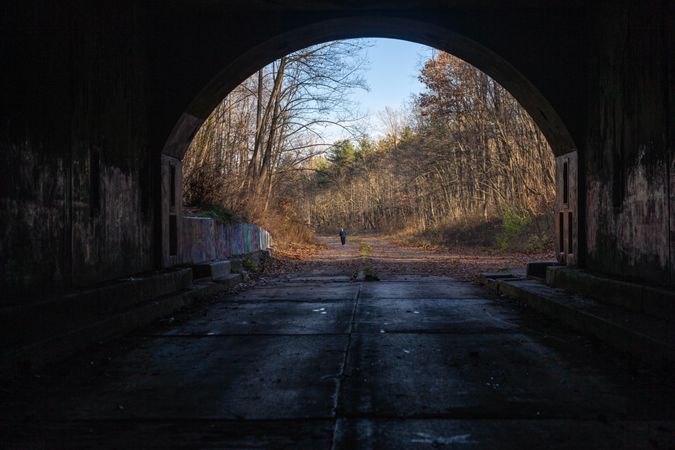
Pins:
x,y
392,77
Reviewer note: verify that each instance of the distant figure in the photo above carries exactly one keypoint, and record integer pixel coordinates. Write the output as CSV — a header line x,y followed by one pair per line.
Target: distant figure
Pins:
x,y
343,236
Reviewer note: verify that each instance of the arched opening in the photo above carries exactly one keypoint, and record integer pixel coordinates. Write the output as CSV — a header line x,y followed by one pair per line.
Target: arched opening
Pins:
x,y
536,105
443,39
95,89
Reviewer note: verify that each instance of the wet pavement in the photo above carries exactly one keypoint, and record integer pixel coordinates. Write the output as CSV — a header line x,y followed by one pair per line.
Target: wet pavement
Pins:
x,y
318,361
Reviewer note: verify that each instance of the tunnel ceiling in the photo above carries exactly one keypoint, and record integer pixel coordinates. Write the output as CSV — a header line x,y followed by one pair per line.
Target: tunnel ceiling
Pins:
x,y
316,28
364,5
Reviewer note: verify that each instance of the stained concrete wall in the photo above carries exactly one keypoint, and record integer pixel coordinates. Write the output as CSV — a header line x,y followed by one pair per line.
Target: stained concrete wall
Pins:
x,y
198,241
206,239
93,90
76,184
629,153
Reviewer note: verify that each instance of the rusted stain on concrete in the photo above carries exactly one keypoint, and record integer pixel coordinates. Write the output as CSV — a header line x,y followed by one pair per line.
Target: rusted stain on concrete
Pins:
x,y
116,240
76,181
627,155
631,239
32,243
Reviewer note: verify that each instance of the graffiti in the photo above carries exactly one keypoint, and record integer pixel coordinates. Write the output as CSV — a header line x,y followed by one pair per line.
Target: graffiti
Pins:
x,y
207,239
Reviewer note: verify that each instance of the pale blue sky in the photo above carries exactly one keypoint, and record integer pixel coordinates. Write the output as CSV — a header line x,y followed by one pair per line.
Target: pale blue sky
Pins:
x,y
391,74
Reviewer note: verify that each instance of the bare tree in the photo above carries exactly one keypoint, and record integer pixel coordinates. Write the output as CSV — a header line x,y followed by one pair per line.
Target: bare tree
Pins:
x,y
466,150
271,124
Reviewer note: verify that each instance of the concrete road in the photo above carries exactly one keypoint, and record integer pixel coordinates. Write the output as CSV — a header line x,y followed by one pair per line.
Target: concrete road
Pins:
x,y
317,361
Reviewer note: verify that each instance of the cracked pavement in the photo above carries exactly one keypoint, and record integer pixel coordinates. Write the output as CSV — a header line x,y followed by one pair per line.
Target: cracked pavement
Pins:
x,y
315,360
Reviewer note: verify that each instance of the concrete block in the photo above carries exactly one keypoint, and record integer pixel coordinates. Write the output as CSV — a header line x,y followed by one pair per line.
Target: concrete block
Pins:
x,y
213,270
537,269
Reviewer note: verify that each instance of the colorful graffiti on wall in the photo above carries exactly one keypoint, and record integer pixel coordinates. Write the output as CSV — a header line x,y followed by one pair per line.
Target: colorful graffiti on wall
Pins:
x,y
206,239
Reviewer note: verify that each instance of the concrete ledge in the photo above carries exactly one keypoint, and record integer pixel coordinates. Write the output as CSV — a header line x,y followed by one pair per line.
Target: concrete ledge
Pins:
x,y
491,280
537,269
652,300
23,323
230,280
645,337
36,355
213,270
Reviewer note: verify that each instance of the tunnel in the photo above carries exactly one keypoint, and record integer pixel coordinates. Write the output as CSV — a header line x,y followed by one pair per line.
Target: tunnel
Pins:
x,y
535,104
102,100
116,102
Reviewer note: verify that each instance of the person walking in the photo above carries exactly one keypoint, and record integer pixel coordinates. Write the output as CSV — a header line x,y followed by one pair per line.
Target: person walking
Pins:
x,y
343,236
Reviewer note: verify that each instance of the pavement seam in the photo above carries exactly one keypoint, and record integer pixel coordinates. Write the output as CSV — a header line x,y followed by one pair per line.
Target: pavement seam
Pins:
x,y
358,333
224,335
590,417
428,298
257,301
340,376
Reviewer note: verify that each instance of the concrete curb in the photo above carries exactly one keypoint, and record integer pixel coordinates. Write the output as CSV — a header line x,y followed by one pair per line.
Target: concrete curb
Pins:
x,y
213,269
616,327
35,321
230,280
38,354
656,301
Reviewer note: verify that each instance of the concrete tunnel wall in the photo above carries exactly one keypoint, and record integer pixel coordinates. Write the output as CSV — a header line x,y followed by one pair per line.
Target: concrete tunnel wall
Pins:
x,y
93,91
77,184
629,179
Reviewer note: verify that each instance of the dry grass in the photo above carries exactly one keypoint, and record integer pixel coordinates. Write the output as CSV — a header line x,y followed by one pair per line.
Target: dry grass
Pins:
x,y
291,237
533,236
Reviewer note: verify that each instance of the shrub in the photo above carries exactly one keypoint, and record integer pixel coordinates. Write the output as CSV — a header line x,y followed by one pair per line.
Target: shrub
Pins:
x,y
249,264
514,226
364,249
223,214
217,212
538,243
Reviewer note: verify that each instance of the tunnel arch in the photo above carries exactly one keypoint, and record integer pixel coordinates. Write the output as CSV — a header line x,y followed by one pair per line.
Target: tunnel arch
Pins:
x,y
488,61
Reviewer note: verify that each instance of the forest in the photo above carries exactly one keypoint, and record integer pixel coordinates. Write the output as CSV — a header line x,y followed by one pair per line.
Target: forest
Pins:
x,y
461,164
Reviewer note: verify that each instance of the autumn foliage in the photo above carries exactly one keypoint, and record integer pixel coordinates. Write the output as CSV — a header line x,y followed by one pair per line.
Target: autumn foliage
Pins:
x,y
464,159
